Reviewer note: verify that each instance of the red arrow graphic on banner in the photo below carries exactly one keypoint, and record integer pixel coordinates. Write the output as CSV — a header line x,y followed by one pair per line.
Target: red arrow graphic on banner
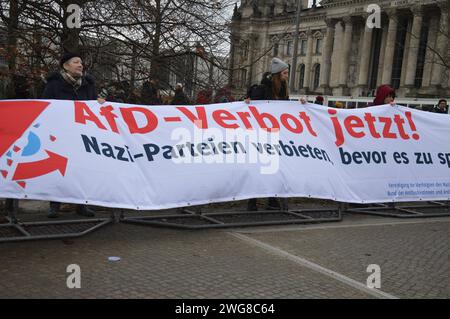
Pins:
x,y
34,169
15,118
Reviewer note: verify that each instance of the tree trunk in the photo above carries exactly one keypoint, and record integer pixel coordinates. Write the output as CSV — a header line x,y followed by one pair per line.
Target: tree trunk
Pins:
x,y
13,25
155,58
70,37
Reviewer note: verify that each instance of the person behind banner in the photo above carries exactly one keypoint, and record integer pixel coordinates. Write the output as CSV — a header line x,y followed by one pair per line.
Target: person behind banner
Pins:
x,y
204,97
223,96
384,95
319,100
273,86
180,97
339,105
150,93
441,107
71,83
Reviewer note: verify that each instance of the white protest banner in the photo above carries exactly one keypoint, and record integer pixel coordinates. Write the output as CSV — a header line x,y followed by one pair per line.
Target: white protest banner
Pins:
x,y
155,157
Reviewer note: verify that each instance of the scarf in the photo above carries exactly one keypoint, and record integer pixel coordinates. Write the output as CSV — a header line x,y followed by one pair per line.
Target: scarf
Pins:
x,y
76,83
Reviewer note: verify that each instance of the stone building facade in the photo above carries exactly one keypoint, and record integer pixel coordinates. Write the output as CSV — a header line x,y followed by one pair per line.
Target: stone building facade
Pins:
x,y
338,54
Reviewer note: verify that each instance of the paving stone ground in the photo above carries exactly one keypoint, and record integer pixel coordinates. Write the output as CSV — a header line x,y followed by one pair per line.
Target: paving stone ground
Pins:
x,y
414,257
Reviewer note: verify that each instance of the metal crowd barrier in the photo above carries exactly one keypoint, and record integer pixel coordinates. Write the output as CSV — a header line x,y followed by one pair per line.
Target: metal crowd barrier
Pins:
x,y
196,218
14,230
405,210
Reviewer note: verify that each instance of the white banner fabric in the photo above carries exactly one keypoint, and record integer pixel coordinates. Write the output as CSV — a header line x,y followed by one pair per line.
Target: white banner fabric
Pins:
x,y
157,157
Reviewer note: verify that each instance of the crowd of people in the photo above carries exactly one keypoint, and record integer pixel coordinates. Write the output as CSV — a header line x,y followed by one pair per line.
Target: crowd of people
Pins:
x,y
73,83
152,94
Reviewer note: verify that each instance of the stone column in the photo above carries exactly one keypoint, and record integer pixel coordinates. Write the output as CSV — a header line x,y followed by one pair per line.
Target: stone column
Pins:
x,y
346,49
308,64
264,45
390,47
384,34
405,57
413,47
430,55
231,62
325,67
442,46
251,49
365,56
336,55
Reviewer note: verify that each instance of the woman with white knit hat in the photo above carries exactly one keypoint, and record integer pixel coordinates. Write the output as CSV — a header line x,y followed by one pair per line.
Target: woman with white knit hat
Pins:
x,y
274,86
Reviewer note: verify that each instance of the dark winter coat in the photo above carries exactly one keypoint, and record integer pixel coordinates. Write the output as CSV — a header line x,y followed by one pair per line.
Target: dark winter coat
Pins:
x,y
150,94
59,89
180,98
436,109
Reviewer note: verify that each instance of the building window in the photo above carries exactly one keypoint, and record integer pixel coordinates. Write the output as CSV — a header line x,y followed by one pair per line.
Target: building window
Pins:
x,y
172,79
398,53
421,55
276,47
303,47
289,48
316,76
301,82
245,50
375,58
319,46
272,10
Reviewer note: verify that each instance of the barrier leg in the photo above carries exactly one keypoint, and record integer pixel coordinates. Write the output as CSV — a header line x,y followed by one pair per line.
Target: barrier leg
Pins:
x,y
12,209
285,204
342,208
16,230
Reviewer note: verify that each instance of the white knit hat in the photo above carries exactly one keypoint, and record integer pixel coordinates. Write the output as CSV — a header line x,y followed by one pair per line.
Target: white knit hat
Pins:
x,y
278,66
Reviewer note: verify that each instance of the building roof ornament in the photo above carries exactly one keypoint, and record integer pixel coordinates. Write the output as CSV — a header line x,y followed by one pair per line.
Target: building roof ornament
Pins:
x,y
417,10
444,6
318,35
391,12
275,39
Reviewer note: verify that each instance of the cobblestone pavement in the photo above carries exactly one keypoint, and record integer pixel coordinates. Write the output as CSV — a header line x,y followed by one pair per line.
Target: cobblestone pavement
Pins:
x,y
414,256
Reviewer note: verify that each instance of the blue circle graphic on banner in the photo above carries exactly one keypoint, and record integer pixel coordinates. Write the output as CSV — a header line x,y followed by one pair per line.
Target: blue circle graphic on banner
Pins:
x,y
33,146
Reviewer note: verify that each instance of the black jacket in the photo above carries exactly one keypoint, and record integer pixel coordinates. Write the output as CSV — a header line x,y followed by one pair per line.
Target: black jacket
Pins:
x,y
263,91
150,94
59,89
436,109
180,99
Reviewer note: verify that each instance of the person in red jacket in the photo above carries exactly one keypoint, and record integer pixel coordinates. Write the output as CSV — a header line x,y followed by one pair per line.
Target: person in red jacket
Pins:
x,y
204,97
385,95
